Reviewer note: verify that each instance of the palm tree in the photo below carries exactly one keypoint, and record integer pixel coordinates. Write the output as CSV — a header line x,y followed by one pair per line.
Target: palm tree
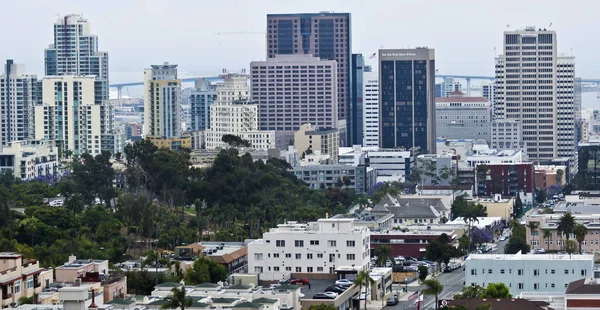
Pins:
x,y
177,300
580,231
361,200
364,279
433,287
547,235
533,226
566,224
470,217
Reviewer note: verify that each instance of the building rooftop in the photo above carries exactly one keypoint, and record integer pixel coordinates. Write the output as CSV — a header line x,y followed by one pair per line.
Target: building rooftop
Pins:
x,y
584,286
460,99
481,222
501,304
264,300
9,255
532,257
248,304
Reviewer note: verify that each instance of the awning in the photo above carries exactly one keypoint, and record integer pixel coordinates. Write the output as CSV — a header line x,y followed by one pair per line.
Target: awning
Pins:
x,y
11,280
37,270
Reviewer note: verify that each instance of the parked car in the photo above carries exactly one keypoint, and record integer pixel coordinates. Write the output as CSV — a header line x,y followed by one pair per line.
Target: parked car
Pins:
x,y
502,238
331,295
286,281
391,301
538,251
335,288
411,268
300,281
344,283
322,296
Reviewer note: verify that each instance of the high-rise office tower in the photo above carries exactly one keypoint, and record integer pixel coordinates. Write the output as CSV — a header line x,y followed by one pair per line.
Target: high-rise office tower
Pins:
x,y
536,87
233,113
162,102
200,99
407,99
371,109
71,116
325,35
292,90
19,93
355,122
578,119
487,91
75,52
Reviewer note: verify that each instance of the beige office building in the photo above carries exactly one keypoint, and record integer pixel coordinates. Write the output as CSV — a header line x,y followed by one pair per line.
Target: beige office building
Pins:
x,y
325,140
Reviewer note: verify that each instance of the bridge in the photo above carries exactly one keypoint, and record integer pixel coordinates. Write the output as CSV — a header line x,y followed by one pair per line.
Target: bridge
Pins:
x,y
468,78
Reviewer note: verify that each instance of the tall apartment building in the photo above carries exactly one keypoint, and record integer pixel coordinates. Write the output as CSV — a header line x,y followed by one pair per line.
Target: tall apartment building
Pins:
x,y
73,114
319,247
578,120
19,93
355,120
234,113
75,52
325,35
407,98
292,90
487,91
200,98
324,140
536,86
371,109
459,117
162,102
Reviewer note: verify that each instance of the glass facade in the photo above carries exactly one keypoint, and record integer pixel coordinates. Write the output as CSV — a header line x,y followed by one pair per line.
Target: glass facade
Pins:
x,y
285,37
355,109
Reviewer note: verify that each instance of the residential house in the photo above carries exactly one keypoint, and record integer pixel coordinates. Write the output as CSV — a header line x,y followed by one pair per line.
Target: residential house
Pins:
x,y
19,278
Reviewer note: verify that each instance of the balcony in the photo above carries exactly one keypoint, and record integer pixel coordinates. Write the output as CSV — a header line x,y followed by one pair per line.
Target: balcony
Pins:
x,y
7,296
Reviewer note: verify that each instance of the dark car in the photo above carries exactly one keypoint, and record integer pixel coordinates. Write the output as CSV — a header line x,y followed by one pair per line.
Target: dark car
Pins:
x,y
321,296
300,281
335,289
391,301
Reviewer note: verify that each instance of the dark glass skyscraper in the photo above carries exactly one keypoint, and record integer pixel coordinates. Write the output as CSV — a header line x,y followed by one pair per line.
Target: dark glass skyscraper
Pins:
x,y
325,35
354,123
407,99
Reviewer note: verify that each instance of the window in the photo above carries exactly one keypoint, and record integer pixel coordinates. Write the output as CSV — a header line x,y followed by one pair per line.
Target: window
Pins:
x,y
350,256
30,282
350,243
536,272
280,243
298,269
309,269
520,272
258,269
319,255
276,255
331,243
314,242
288,255
288,268
502,271
566,271
520,286
258,256
583,272
298,256
299,243
552,285
552,271
319,269
17,286
309,256
275,268
473,272
536,286
490,271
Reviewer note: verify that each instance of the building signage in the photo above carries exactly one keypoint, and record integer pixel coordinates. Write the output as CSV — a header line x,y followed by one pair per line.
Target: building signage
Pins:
x,y
388,54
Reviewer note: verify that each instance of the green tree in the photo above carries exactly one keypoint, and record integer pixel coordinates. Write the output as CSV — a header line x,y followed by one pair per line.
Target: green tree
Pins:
x,y
540,197
518,239
433,287
547,235
205,270
423,272
533,228
322,307
580,231
24,300
518,210
235,141
570,246
383,253
469,292
566,224
177,300
364,279
559,176
496,290
75,202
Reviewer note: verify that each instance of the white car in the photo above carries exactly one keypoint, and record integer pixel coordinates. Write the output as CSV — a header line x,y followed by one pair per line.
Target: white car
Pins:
x,y
503,238
331,294
344,282
56,203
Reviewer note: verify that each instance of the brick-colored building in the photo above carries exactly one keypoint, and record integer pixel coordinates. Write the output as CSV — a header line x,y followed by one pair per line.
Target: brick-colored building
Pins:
x,y
410,243
506,179
583,294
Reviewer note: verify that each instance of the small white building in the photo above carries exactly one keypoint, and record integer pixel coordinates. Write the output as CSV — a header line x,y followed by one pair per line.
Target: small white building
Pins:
x,y
30,159
315,247
548,273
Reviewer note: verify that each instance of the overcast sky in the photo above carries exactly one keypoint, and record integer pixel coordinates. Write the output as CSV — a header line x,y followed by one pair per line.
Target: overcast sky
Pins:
x,y
137,33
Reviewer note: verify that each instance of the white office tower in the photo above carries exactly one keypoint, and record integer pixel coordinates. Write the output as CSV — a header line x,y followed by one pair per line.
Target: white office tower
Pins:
x,y
370,109
72,114
534,87
162,102
487,91
19,93
233,113
75,52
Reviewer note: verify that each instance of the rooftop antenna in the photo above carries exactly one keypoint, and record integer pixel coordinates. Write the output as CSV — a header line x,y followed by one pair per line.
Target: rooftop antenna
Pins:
x,y
550,24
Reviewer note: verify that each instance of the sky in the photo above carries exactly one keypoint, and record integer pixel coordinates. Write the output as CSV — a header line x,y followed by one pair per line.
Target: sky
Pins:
x,y
138,33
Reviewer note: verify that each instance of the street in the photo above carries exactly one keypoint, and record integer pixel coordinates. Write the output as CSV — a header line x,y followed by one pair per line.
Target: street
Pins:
x,y
453,283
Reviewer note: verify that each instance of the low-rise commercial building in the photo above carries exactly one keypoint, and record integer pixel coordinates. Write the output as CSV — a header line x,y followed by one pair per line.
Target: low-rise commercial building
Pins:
x,y
316,247
409,241
528,272
173,143
550,177
497,206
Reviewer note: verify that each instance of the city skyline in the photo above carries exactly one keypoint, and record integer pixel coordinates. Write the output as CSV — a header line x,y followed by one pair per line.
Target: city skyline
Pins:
x,y
114,24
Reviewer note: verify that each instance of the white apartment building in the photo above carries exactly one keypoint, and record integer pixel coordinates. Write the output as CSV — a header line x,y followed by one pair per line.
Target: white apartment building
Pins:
x,y
74,114
535,86
292,90
315,247
235,114
548,273
391,164
493,156
507,135
162,102
370,109
19,93
488,91
30,159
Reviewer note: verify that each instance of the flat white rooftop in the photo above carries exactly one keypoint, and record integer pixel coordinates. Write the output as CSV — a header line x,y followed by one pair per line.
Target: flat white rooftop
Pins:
x,y
532,257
